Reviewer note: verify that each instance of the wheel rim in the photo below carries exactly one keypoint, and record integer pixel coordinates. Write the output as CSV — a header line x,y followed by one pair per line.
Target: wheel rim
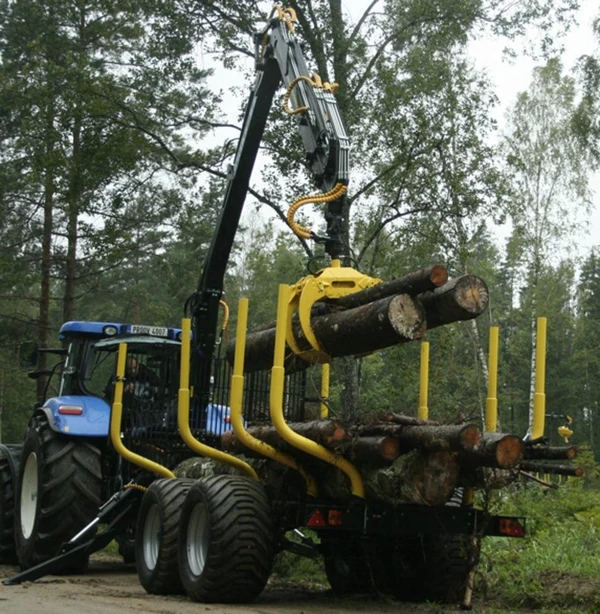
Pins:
x,y
197,539
29,495
152,537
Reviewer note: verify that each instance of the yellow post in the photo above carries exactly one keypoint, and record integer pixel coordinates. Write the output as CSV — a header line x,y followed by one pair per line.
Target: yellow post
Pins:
x,y
424,381
183,411
539,399
491,404
276,404
324,390
116,417
236,401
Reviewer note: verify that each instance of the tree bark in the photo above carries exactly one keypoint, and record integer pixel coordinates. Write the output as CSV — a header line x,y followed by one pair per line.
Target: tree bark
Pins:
x,y
361,330
550,453
540,467
451,437
328,433
412,284
495,450
460,299
427,478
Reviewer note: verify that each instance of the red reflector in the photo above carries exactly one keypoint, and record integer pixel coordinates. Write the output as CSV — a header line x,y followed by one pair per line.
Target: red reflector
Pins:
x,y
316,520
512,527
70,410
334,518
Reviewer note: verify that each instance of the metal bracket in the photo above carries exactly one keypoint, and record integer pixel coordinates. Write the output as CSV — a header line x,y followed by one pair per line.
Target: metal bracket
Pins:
x,y
330,283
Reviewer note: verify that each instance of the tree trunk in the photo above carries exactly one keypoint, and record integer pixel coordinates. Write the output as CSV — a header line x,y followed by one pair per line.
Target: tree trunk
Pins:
x,y
495,450
412,284
540,467
46,265
361,330
427,478
460,299
451,437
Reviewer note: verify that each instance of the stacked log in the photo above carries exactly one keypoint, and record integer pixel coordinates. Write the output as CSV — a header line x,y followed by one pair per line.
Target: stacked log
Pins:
x,y
403,459
384,315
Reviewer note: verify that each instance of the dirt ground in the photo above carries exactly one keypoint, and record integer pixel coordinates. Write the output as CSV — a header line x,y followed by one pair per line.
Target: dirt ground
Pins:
x,y
111,587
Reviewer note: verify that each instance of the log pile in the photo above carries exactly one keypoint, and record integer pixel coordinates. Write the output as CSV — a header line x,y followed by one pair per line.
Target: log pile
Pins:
x,y
387,314
401,459
406,460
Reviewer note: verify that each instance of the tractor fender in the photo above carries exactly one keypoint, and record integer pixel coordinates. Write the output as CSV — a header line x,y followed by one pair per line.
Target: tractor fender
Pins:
x,y
78,415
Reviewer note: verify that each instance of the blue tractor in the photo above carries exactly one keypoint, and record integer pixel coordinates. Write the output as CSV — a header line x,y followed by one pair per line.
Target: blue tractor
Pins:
x,y
55,482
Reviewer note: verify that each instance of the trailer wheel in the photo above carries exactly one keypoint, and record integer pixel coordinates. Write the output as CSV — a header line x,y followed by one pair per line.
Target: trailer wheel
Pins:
x,y
346,565
227,544
8,553
427,568
60,481
448,561
156,536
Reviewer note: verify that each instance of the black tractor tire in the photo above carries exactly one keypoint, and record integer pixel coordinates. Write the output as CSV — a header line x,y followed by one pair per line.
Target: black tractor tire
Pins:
x,y
59,493
126,544
227,542
157,536
8,551
346,565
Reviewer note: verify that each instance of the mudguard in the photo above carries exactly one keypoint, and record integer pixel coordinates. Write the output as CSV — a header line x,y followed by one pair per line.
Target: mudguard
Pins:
x,y
78,415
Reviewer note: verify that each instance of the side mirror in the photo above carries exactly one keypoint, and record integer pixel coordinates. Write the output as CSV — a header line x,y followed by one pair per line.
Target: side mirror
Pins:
x,y
29,354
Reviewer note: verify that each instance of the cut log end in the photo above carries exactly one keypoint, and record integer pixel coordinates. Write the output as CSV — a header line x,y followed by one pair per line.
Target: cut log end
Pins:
x,y
439,275
405,317
470,437
472,298
509,451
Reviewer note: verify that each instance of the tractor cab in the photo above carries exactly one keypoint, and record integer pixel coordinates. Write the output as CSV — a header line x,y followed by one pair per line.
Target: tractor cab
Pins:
x,y
85,377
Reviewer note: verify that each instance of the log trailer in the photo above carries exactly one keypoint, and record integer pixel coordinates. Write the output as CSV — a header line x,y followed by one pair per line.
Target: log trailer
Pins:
x,y
217,468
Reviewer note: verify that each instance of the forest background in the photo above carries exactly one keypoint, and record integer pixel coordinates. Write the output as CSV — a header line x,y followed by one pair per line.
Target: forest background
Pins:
x,y
115,144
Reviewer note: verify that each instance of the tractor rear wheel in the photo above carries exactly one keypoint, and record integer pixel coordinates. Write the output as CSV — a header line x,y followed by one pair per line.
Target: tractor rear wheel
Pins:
x,y
8,553
156,534
59,492
227,543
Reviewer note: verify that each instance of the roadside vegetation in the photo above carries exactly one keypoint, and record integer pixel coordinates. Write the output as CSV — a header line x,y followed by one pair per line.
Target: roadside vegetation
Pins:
x,y
555,568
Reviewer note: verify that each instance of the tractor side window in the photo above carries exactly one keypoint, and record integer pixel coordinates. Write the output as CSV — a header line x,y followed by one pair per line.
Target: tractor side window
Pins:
x,y
100,373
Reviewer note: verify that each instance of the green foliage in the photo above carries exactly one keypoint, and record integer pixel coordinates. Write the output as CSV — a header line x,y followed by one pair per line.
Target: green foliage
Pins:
x,y
558,563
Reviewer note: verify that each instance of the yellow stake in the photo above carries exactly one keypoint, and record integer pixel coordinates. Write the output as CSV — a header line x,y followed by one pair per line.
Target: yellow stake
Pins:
x,y
324,390
276,404
424,381
235,402
116,418
183,411
539,399
491,404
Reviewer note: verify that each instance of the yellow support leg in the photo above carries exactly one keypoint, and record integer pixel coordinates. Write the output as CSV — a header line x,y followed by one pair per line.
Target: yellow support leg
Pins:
x,y
491,404
424,382
116,417
276,404
324,390
539,399
236,401
183,411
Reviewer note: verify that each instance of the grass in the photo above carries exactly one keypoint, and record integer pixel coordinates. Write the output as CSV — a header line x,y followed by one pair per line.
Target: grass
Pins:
x,y
557,565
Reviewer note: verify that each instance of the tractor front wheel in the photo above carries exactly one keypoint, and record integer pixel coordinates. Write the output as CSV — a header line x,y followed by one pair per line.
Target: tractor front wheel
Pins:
x,y
59,491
